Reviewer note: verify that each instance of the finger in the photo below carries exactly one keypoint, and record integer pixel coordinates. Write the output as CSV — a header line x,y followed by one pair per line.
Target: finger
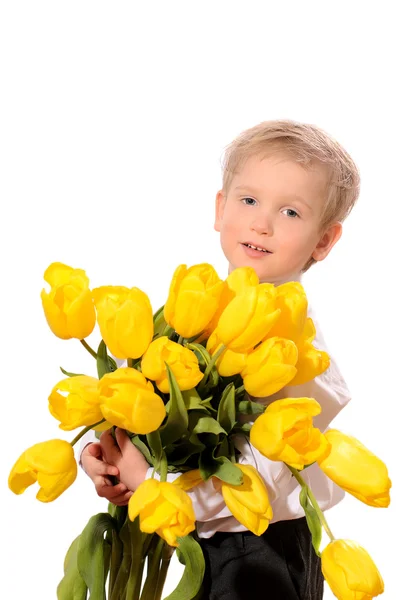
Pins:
x,y
122,437
94,449
111,492
109,447
123,499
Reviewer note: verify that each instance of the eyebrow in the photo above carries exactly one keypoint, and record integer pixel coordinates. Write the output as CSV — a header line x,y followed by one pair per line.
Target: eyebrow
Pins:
x,y
288,198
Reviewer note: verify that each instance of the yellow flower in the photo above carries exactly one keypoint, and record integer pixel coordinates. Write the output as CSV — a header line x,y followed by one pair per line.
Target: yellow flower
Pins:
x,y
292,301
356,470
163,508
75,402
128,401
249,502
182,361
193,299
241,278
188,480
285,432
269,367
248,318
68,307
52,464
235,284
125,318
311,362
350,571
229,363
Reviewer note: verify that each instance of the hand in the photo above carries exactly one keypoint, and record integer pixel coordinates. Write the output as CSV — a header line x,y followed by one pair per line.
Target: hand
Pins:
x,y
131,464
100,473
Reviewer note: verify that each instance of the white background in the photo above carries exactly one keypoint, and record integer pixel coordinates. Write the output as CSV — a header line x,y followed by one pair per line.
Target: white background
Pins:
x,y
114,117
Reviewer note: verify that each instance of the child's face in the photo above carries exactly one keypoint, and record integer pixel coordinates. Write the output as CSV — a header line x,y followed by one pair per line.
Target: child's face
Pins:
x,y
274,204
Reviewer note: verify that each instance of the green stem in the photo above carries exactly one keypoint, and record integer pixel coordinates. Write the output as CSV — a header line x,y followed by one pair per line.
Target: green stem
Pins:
x,y
239,390
313,501
153,572
163,467
82,433
210,365
180,340
130,362
88,348
165,560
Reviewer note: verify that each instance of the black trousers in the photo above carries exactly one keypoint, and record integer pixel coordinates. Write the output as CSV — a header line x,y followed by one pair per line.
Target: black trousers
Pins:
x,y
281,564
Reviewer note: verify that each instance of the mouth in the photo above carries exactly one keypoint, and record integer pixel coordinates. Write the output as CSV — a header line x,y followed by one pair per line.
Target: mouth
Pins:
x,y
259,248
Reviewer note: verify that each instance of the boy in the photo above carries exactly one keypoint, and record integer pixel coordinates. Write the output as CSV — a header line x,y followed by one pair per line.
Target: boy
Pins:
x,y
286,189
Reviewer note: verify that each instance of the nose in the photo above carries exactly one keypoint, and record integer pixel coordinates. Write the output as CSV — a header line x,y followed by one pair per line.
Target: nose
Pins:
x,y
262,224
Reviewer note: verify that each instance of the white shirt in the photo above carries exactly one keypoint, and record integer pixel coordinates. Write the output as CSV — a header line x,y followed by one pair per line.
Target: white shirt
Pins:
x,y
212,514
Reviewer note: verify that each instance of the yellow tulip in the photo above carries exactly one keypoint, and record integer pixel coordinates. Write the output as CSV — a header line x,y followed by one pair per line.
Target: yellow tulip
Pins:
x,y
193,299
249,502
163,508
182,361
188,479
229,363
125,318
285,432
356,470
269,367
292,301
52,464
241,278
311,362
128,401
75,402
248,318
68,307
350,571
235,284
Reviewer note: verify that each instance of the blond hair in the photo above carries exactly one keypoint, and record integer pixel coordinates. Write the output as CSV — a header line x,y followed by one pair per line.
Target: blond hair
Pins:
x,y
308,145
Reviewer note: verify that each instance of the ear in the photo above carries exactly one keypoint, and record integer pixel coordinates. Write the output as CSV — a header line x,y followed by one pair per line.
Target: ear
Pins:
x,y
327,241
220,200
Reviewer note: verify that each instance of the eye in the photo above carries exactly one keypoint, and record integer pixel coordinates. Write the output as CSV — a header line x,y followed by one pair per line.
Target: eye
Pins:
x,y
247,203
291,213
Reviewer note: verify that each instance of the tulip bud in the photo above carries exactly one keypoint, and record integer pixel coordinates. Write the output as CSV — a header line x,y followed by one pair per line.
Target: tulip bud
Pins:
x,y
285,432
182,361
193,299
356,469
350,571
248,318
292,301
68,307
125,319
52,464
249,502
128,401
75,402
163,508
269,367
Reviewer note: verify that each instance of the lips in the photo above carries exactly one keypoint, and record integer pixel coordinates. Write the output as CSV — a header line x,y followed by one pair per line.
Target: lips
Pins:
x,y
256,246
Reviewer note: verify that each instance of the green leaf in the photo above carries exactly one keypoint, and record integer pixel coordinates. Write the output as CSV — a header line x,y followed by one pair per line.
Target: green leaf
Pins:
x,y
177,418
226,409
159,322
103,363
201,354
193,401
208,425
220,467
313,522
247,407
142,447
154,441
70,374
94,554
193,559
72,586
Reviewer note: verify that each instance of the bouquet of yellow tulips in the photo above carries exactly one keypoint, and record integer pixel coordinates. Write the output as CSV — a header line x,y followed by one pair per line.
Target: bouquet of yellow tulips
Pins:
x,y
195,368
